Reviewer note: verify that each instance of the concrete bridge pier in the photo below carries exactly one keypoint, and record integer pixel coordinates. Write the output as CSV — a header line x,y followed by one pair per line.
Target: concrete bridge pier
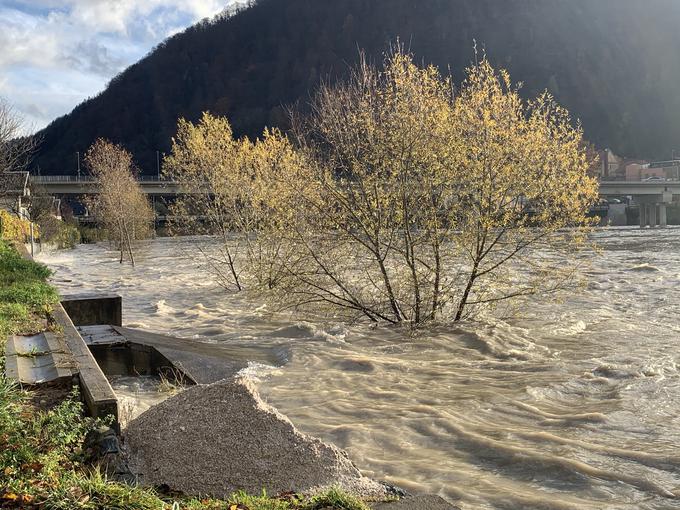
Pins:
x,y
653,215
663,217
644,221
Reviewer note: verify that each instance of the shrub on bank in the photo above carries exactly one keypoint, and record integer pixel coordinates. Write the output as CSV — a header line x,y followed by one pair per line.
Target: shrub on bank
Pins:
x,y
60,233
13,228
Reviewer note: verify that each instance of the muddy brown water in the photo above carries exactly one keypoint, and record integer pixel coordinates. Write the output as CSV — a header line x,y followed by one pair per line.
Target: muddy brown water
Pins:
x,y
573,405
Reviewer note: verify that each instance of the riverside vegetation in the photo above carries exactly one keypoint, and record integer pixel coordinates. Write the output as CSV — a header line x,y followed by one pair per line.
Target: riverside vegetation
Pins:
x,y
396,200
43,462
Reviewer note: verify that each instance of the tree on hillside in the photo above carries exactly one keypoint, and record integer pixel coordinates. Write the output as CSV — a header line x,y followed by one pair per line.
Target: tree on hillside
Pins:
x,y
121,206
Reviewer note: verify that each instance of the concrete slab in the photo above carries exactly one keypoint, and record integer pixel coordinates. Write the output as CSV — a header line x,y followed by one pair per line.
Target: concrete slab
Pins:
x,y
101,335
426,502
202,362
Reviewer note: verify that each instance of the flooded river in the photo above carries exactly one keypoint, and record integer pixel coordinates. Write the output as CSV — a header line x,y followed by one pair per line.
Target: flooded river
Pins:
x,y
573,405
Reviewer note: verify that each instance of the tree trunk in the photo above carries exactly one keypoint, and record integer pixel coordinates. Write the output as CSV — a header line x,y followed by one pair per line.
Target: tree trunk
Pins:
x,y
466,294
437,279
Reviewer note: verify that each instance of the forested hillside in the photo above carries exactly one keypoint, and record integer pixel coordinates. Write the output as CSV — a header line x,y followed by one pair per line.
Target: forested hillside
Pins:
x,y
613,63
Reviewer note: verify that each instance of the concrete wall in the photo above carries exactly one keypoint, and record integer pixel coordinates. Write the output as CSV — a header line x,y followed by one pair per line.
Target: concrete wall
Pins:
x,y
94,310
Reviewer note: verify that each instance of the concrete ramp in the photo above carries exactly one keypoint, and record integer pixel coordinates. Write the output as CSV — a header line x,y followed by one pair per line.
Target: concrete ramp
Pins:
x,y
38,359
202,363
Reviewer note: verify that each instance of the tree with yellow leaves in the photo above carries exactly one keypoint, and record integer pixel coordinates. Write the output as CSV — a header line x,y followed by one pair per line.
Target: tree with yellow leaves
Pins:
x,y
401,201
377,208
120,206
230,190
426,204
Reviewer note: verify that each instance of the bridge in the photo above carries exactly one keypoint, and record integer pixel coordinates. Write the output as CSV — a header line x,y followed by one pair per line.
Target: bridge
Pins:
x,y
639,188
86,185
652,197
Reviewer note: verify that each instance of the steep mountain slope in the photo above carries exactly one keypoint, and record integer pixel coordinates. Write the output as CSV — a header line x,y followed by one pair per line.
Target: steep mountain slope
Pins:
x,y
613,63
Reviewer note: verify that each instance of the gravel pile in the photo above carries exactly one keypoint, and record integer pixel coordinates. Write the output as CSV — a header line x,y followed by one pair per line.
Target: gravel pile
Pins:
x,y
217,439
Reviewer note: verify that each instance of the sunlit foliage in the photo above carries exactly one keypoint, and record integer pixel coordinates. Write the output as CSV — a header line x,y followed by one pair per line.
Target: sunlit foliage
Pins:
x,y
121,206
232,188
400,201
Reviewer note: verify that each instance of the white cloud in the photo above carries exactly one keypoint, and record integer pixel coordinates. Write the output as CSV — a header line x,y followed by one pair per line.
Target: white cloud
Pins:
x,y
56,53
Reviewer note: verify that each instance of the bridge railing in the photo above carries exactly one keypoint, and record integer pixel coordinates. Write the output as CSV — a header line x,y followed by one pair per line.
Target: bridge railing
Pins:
x,y
62,178
47,179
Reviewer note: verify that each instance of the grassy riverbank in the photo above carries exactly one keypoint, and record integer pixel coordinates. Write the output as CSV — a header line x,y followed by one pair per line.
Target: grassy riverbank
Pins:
x,y
25,297
43,463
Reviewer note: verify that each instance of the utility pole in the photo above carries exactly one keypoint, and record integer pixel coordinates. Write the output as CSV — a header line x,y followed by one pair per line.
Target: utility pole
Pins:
x,y
158,164
78,163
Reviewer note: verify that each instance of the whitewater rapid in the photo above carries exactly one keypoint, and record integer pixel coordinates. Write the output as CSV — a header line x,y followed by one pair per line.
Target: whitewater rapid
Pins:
x,y
574,404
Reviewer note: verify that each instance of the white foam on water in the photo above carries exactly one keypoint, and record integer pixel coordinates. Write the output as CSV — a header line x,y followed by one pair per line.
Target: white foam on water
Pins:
x,y
576,328
258,371
162,308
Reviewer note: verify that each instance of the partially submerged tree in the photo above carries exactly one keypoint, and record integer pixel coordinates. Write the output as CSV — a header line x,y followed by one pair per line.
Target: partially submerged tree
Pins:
x,y
403,202
121,206
229,191
425,204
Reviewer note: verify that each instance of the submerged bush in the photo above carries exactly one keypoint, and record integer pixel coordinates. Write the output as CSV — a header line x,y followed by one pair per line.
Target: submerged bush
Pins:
x,y
68,237
60,233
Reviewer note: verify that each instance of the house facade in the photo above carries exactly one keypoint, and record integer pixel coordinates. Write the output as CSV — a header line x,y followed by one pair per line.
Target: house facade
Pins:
x,y
15,193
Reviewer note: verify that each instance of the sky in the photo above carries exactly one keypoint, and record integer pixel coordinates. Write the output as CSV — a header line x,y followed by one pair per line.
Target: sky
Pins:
x,y
56,53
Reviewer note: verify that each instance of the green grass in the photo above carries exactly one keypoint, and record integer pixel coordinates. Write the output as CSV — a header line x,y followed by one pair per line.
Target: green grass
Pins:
x,y
25,296
42,462
332,499
336,499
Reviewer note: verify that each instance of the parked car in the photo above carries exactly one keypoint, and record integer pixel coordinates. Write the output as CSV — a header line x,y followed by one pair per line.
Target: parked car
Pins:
x,y
654,178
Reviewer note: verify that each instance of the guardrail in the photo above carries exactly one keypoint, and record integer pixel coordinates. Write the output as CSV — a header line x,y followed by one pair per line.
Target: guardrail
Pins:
x,y
88,179
642,181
